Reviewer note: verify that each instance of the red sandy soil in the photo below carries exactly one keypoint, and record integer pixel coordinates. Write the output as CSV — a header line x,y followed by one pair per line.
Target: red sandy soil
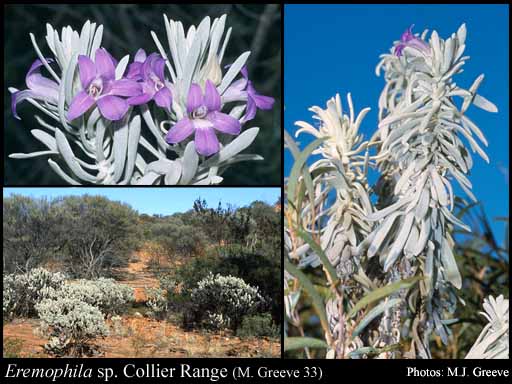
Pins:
x,y
144,337
138,336
138,276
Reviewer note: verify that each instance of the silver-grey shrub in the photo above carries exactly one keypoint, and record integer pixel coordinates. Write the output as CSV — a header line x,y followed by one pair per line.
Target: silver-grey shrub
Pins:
x,y
228,296
21,292
105,294
70,324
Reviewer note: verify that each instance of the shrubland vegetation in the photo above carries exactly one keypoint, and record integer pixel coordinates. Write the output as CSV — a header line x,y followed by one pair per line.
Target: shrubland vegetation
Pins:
x,y
219,268
84,236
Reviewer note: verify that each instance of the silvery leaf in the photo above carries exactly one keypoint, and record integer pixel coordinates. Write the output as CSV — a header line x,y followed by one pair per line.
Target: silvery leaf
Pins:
x,y
399,242
133,141
216,35
148,118
96,43
149,178
120,147
439,187
461,34
45,138
450,265
191,63
237,145
65,95
121,66
233,70
378,215
173,174
69,157
381,233
61,173
224,45
190,162
32,154
43,60
85,38
164,55
160,167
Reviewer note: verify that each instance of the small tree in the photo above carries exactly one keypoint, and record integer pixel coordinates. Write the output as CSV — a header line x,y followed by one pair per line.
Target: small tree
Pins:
x,y
100,233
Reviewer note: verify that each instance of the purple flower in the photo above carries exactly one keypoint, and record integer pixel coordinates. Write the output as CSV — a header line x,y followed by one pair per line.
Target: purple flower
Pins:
x,y
409,40
150,72
100,88
203,117
135,68
244,88
39,87
254,99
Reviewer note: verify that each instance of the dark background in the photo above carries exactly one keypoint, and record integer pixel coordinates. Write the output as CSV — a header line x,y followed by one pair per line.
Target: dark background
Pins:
x,y
256,27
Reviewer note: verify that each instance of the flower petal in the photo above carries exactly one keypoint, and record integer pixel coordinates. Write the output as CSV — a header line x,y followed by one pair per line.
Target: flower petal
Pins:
x,y
158,66
45,88
35,67
112,107
104,64
140,99
140,56
244,72
147,67
114,61
87,70
195,98
125,87
263,102
224,123
79,105
236,91
134,71
211,97
180,131
206,141
250,110
163,98
407,35
38,83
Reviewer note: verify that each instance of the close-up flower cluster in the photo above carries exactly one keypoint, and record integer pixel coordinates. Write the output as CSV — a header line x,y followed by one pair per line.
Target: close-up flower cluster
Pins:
x,y
178,115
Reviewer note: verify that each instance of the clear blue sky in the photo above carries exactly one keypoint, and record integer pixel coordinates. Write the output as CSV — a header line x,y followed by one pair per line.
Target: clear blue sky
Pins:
x,y
333,49
164,201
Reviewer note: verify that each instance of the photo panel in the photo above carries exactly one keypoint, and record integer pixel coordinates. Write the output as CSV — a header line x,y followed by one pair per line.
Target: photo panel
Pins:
x,y
142,272
143,94
396,183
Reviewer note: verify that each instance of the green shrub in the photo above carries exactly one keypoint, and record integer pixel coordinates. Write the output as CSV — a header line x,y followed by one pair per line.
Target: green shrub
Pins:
x,y
259,270
258,326
12,347
156,302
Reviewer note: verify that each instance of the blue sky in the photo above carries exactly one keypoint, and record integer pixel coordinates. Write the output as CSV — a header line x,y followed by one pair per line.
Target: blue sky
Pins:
x,y
163,201
333,49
